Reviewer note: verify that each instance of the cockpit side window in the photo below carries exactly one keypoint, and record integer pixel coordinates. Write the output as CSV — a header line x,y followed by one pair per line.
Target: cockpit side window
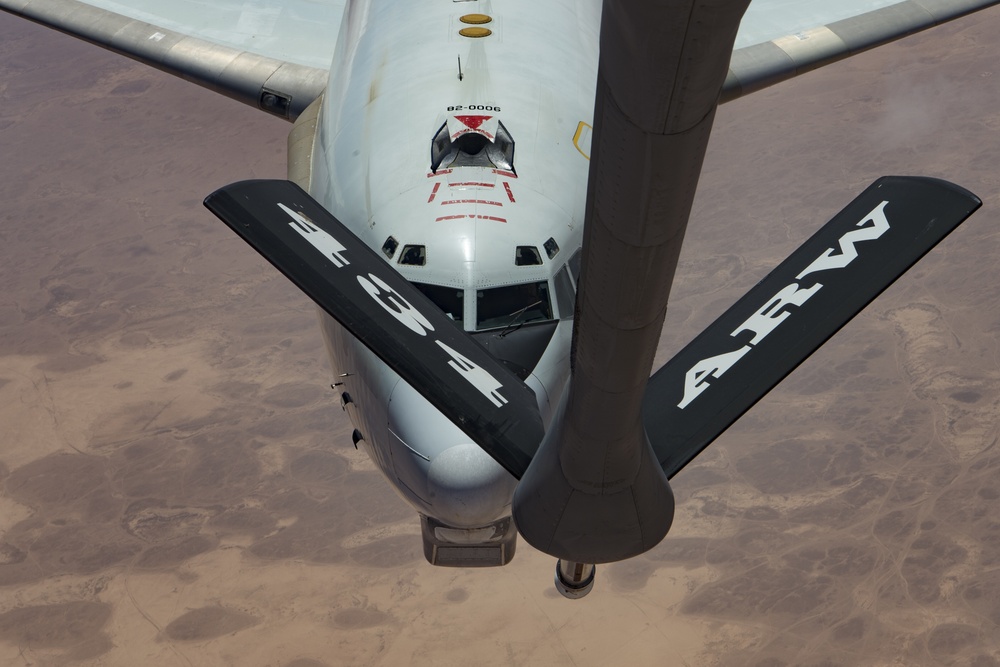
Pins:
x,y
472,150
565,294
574,265
512,305
389,247
527,255
414,255
551,248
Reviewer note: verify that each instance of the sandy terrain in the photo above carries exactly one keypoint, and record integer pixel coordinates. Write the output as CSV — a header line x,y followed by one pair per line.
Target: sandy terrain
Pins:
x,y
178,487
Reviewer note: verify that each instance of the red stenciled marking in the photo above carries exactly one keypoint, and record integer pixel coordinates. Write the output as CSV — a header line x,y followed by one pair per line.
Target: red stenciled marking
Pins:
x,y
434,192
472,185
508,174
474,217
440,172
510,195
473,121
471,201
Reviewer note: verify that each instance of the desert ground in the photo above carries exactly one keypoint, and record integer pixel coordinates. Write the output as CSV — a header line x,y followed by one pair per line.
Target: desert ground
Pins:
x,y
178,484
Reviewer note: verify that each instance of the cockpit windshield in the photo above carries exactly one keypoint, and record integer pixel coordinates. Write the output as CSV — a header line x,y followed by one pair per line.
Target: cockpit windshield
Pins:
x,y
513,305
448,299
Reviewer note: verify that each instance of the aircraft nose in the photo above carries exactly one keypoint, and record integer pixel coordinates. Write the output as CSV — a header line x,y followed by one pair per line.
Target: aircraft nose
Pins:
x,y
468,488
456,482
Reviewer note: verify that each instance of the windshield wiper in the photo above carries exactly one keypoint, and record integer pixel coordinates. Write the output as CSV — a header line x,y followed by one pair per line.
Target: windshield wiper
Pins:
x,y
514,317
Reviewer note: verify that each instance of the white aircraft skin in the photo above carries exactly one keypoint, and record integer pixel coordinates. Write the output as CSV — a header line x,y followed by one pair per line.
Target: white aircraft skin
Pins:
x,y
394,83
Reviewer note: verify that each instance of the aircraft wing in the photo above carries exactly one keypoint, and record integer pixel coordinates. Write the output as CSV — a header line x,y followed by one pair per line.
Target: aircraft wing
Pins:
x,y
271,54
781,39
275,54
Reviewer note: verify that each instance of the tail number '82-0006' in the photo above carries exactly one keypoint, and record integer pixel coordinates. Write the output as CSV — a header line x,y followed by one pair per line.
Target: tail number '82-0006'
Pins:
x,y
474,107
397,306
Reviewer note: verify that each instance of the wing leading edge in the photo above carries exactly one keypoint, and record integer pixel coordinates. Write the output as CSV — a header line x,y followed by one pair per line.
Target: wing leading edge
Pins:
x,y
276,55
808,34
275,61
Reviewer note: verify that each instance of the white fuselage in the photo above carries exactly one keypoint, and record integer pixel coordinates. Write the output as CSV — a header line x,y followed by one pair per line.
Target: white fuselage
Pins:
x,y
395,87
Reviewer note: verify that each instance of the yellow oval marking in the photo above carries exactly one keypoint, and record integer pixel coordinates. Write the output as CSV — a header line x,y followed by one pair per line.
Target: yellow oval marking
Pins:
x,y
475,19
475,32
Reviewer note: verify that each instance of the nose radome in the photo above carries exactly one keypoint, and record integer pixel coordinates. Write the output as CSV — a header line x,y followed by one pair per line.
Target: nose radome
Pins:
x,y
468,488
